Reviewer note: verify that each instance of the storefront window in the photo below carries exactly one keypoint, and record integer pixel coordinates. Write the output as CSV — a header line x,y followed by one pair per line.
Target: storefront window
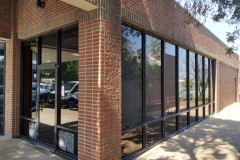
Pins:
x,y
2,67
170,79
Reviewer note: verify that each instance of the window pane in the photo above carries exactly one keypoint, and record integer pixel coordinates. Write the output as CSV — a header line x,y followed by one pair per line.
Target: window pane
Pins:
x,y
131,77
182,69
2,67
193,116
69,79
192,81
206,81
170,126
182,120
154,132
131,141
170,79
200,80
49,49
200,113
207,110
30,79
153,78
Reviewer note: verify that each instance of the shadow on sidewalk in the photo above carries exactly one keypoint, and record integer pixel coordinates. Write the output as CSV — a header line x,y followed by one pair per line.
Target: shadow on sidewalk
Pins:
x,y
209,140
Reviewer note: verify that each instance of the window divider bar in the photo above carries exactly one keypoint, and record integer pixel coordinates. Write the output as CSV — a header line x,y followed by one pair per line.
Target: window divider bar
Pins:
x,y
177,85
162,86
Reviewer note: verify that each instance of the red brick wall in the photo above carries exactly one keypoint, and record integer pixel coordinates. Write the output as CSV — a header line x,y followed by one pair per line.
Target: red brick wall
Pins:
x,y
227,85
166,19
12,79
99,129
5,20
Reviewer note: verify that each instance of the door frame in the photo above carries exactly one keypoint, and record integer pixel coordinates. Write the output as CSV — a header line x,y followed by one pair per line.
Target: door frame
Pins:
x,y
56,102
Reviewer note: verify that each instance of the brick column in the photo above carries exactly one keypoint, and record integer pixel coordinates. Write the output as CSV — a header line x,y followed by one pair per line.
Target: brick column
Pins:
x,y
99,132
12,78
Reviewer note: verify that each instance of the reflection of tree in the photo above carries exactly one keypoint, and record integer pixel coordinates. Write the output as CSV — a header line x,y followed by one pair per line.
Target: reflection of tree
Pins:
x,y
201,83
153,61
47,73
131,58
69,71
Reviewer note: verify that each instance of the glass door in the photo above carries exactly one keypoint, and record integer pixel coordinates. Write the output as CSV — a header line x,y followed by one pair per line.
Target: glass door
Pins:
x,y
46,110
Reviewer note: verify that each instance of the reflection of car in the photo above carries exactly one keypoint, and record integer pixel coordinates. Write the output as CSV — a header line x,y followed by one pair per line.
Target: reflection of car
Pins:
x,y
42,86
70,97
183,95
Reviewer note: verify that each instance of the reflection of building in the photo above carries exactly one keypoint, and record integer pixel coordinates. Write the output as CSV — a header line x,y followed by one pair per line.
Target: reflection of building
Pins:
x,y
119,107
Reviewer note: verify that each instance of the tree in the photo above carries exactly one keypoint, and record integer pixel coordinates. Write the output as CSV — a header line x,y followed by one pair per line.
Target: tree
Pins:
x,y
217,10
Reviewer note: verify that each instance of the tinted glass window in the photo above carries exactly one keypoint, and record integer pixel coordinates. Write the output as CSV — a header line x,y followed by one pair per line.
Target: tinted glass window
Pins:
x,y
200,80
192,81
49,49
182,70
170,79
153,78
2,66
131,76
69,78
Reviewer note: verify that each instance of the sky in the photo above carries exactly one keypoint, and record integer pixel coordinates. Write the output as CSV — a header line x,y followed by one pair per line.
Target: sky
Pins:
x,y
220,29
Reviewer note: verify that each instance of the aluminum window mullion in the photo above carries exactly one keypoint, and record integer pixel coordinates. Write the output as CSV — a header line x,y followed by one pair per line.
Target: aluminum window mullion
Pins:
x,y
188,87
196,85
177,85
162,86
203,84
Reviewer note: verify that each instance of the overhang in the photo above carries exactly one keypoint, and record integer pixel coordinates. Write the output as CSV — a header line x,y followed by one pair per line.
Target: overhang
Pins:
x,y
83,4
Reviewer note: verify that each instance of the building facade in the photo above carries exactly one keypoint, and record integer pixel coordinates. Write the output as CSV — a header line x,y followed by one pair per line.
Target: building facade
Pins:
x,y
107,79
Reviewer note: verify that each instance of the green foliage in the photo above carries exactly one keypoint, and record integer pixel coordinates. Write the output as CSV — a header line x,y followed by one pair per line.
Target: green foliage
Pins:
x,y
217,10
69,71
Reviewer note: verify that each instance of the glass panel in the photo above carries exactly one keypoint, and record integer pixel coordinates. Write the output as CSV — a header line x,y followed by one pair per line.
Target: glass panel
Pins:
x,y
154,132
193,116
200,80
49,46
206,81
131,141
207,110
2,67
69,79
192,81
47,113
29,79
182,120
170,79
200,113
182,69
131,77
170,126
28,129
153,78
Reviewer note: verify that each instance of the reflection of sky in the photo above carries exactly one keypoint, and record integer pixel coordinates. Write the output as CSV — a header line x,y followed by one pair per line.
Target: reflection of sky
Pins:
x,y
182,64
170,49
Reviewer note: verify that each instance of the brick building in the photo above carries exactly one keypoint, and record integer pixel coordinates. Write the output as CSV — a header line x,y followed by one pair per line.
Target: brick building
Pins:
x,y
107,79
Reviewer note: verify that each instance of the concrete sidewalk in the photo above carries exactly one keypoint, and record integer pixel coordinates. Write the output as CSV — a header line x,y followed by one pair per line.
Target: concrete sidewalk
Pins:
x,y
17,149
216,138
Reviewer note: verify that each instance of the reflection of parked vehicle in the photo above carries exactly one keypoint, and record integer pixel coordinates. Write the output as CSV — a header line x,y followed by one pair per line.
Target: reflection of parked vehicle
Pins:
x,y
70,97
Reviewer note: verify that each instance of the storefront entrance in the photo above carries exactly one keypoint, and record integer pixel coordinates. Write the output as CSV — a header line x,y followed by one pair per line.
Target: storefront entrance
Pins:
x,y
50,90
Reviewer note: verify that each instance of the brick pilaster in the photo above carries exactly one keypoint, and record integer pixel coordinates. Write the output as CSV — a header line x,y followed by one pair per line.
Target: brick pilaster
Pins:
x,y
12,78
99,132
